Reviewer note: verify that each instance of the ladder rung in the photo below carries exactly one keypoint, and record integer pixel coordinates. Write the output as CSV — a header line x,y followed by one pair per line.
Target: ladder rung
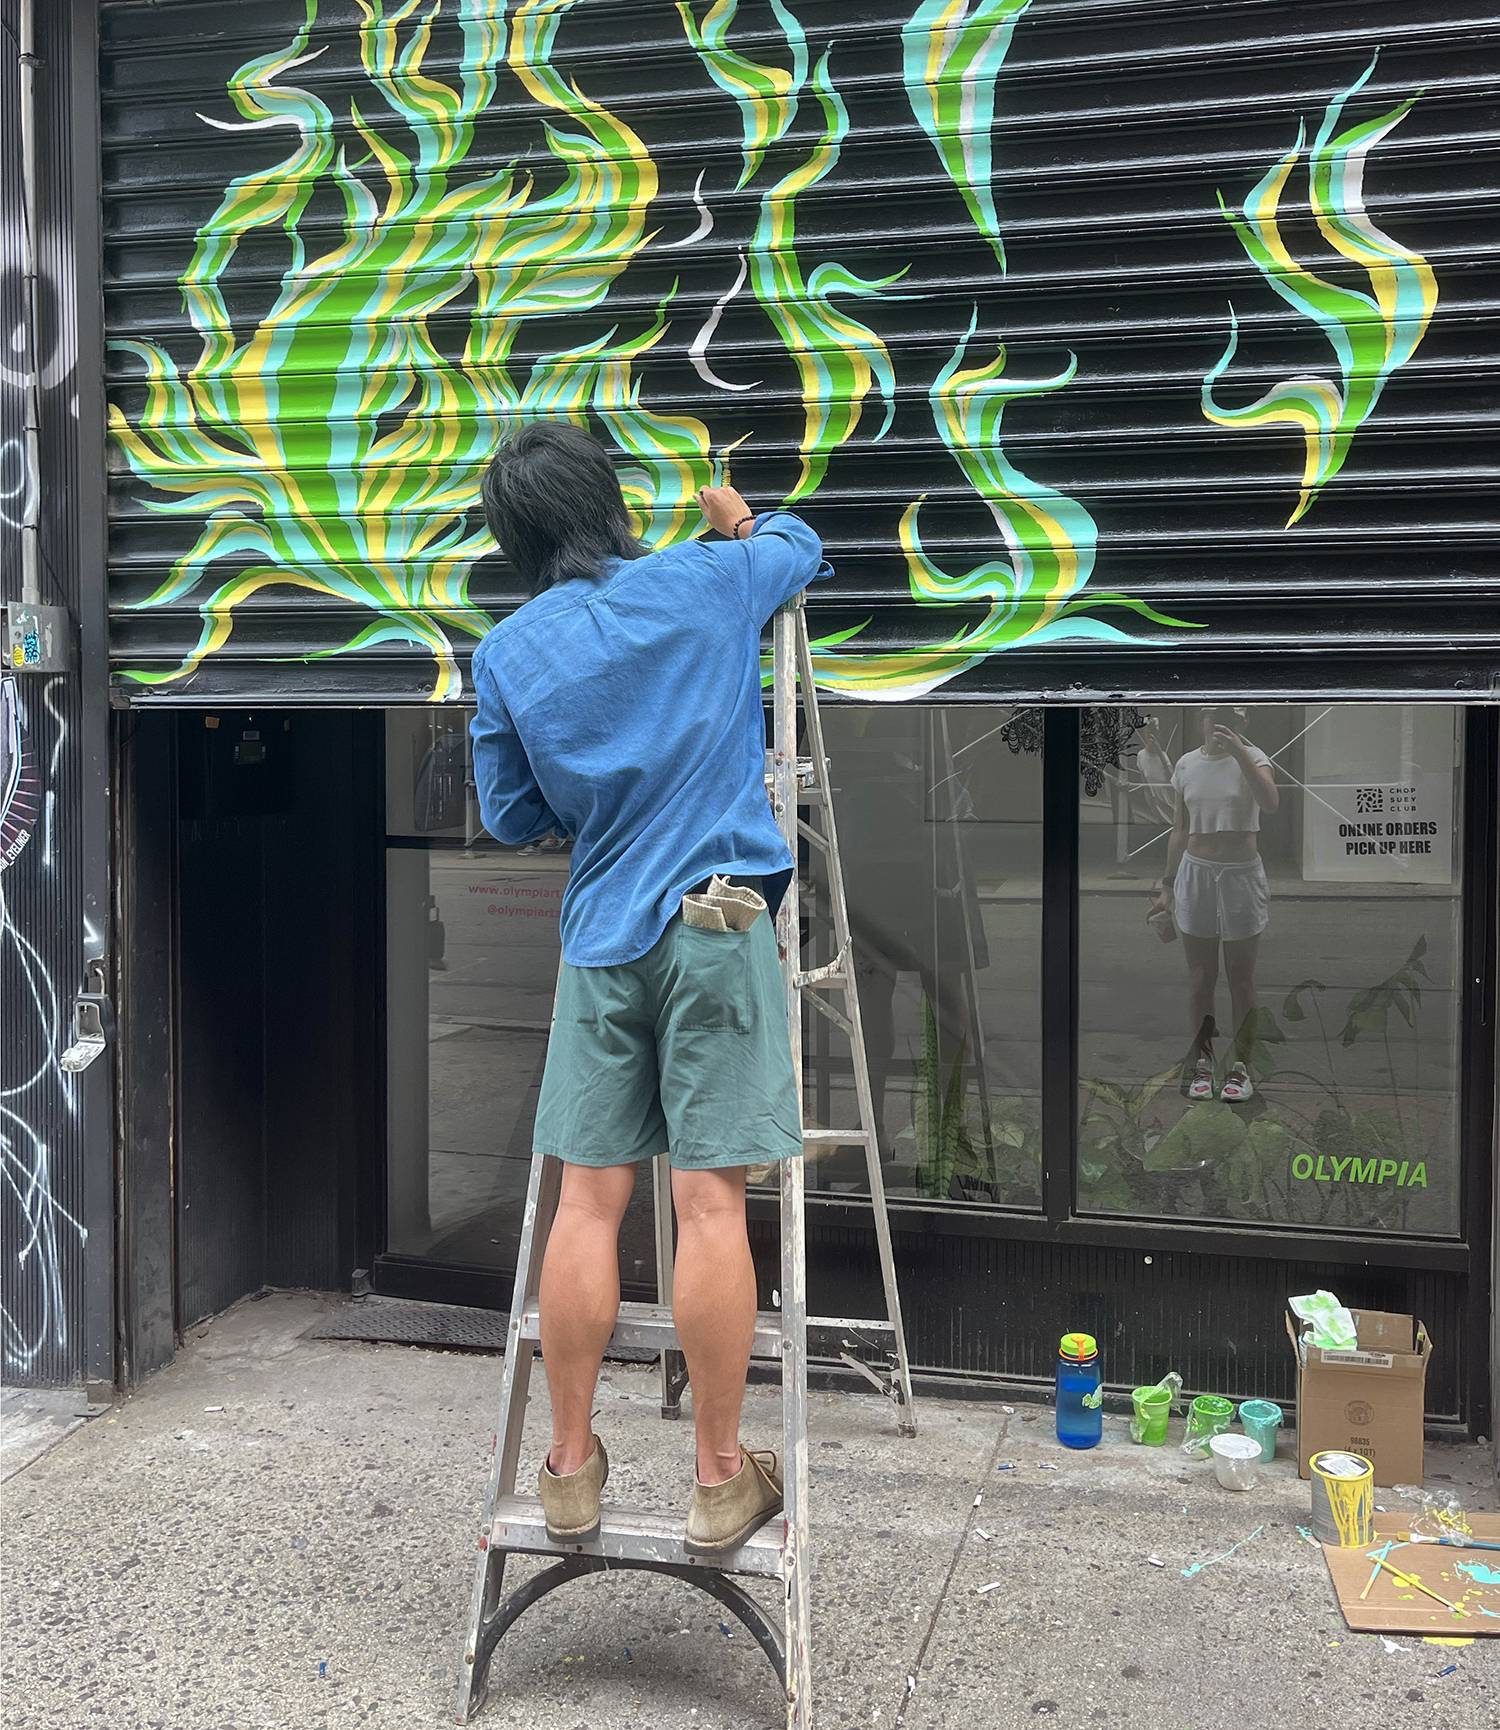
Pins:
x,y
808,792
649,1327
836,1137
628,1536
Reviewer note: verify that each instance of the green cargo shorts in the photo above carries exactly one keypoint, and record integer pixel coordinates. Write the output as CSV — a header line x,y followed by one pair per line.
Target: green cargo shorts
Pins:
x,y
684,1050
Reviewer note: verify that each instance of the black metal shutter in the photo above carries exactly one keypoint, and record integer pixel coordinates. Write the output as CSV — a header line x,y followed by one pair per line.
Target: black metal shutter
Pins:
x,y
1091,529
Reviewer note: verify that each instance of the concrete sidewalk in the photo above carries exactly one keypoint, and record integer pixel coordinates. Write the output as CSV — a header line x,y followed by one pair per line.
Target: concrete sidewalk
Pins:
x,y
278,1532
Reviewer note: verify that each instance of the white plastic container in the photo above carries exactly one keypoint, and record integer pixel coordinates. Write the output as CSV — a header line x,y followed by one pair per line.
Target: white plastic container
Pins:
x,y
1236,1461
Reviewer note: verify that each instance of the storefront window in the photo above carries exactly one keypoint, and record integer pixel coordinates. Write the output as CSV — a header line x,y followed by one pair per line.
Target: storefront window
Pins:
x,y
1274,1040
472,949
940,818
939,813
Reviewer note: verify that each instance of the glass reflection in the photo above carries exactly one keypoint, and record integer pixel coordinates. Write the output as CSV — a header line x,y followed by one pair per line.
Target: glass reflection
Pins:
x,y
940,828
1329,1096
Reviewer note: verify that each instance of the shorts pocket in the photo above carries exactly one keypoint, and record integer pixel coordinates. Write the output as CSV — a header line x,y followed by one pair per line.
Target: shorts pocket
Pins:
x,y
711,980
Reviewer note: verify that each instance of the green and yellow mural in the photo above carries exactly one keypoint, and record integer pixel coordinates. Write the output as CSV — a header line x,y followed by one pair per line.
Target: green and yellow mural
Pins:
x,y
479,220
1372,331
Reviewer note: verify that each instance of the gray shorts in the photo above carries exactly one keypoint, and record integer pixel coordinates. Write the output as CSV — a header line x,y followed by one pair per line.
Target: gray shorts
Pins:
x,y
1224,898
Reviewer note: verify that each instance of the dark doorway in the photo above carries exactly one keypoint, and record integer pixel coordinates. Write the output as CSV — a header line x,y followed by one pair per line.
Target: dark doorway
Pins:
x,y
265,990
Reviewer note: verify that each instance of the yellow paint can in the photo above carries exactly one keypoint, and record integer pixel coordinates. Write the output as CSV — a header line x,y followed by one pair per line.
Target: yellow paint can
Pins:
x,y
1343,1499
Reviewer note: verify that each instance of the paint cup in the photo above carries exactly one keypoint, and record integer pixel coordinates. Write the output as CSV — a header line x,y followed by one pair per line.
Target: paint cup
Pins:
x,y
1164,925
1236,1460
1260,1420
1208,1416
1153,1406
1343,1499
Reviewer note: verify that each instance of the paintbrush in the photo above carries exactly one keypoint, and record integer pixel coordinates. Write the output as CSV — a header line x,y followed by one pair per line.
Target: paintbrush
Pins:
x,y
1412,1581
1462,1543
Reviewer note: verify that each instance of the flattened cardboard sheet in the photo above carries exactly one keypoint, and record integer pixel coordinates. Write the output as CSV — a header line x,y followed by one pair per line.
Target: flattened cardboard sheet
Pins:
x,y
1467,1577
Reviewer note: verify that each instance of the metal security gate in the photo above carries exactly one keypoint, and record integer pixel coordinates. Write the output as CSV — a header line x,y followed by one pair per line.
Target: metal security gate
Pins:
x,y
1134,349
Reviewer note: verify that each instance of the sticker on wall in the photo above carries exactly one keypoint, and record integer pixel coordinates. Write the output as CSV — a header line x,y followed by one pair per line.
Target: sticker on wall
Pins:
x,y
1380,781
20,792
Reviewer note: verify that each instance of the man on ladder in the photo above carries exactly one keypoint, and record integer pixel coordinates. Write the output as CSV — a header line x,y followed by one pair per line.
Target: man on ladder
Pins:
x,y
621,706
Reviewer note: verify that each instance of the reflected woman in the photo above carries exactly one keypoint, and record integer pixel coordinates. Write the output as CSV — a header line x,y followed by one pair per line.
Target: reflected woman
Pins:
x,y
1215,886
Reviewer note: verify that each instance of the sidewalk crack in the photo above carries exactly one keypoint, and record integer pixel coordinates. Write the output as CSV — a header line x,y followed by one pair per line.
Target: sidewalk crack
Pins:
x,y
914,1675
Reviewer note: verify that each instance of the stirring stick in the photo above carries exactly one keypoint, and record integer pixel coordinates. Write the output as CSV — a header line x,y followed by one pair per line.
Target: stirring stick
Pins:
x,y
1412,1580
1385,1551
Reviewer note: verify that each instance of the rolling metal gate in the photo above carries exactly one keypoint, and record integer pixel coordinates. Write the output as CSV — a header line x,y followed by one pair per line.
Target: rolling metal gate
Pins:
x,y
1129,348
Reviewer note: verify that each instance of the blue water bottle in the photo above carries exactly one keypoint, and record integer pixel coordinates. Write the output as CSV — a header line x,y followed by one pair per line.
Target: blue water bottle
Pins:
x,y
1080,1394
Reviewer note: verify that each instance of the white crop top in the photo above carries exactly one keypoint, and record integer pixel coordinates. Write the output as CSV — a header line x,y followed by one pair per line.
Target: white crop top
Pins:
x,y
1217,793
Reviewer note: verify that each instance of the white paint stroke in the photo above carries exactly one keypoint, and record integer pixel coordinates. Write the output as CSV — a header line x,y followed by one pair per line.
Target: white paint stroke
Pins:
x,y
705,218
270,119
698,348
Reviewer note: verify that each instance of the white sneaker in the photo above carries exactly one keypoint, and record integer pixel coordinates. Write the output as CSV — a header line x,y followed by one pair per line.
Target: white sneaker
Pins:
x,y
1202,1084
1238,1087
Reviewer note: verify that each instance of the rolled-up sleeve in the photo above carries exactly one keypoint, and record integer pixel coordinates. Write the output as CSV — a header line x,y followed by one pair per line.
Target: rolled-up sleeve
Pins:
x,y
778,558
510,801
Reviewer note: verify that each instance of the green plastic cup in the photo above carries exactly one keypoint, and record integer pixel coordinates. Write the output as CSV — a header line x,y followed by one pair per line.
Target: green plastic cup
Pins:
x,y
1153,1407
1208,1416
1261,1419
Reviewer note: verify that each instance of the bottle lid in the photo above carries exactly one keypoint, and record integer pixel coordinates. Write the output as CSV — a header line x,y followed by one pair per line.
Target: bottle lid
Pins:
x,y
1078,1347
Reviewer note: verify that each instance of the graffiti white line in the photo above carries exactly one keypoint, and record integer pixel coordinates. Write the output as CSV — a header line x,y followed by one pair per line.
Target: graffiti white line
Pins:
x,y
17,491
46,1095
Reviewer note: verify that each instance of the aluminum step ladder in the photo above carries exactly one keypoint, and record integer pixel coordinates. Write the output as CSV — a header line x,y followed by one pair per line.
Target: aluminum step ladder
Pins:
x,y
512,1523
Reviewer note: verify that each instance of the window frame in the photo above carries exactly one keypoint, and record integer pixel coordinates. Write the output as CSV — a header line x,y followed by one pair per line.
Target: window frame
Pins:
x,y
1060,1219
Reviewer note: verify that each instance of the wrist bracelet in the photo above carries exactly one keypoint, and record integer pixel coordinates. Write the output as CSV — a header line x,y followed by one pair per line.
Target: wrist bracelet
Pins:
x,y
735,531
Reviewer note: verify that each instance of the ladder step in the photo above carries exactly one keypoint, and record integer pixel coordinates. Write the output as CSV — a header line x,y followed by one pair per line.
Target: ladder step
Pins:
x,y
820,981
628,1536
649,1327
836,1137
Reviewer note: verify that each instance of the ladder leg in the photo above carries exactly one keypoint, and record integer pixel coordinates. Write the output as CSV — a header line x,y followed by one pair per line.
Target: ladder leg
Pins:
x,y
793,1216
795,1555
673,1363
542,1189
839,904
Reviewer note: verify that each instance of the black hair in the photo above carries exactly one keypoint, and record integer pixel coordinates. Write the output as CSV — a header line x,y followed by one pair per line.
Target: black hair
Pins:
x,y
554,504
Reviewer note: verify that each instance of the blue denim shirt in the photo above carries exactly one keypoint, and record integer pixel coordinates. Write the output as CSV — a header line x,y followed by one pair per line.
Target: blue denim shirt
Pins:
x,y
625,713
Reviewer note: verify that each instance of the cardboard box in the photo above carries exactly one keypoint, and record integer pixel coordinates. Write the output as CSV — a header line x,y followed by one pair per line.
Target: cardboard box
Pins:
x,y
1369,1400
1384,1606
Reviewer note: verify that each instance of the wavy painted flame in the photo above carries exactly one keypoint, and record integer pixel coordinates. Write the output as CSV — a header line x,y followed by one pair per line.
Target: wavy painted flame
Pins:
x,y
332,446
1036,593
952,57
336,446
1371,334
839,359
767,96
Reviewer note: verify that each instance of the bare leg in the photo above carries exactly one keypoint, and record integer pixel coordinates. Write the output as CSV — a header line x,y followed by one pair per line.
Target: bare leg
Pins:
x,y
1202,957
580,1298
713,1303
1239,966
